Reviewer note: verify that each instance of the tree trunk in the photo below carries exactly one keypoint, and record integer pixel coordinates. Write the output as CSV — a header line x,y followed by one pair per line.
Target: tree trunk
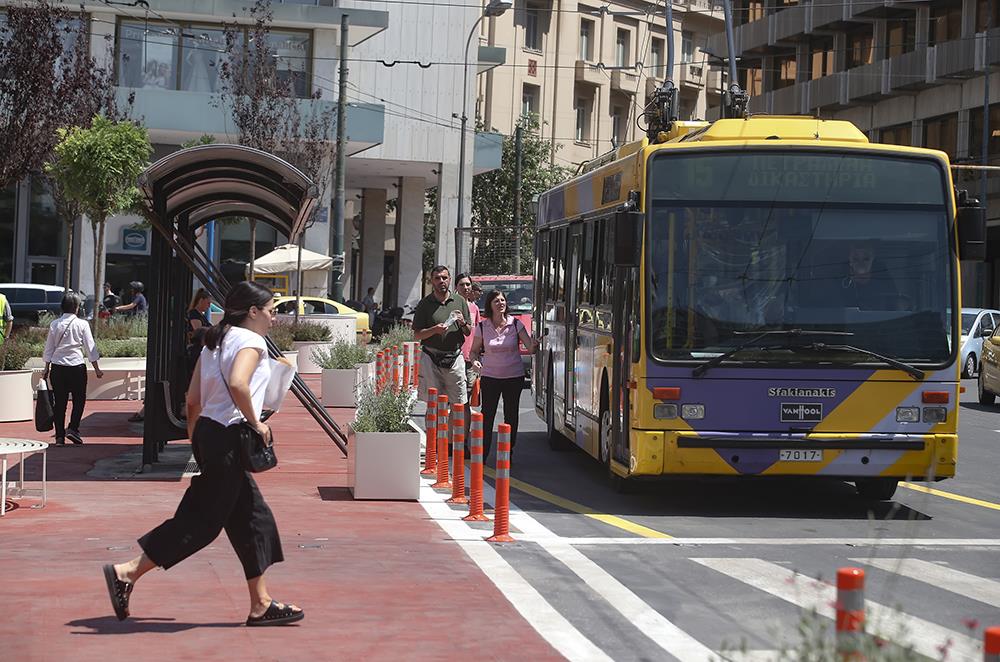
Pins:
x,y
253,246
68,269
98,228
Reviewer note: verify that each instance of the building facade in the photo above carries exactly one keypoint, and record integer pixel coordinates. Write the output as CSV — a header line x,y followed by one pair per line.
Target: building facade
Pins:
x,y
167,58
588,70
906,73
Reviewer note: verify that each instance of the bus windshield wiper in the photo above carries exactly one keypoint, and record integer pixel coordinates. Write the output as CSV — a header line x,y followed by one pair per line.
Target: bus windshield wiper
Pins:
x,y
784,333
916,373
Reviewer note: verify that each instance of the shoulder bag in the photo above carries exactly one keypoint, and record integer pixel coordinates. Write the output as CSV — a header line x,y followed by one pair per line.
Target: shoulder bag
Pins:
x,y
256,455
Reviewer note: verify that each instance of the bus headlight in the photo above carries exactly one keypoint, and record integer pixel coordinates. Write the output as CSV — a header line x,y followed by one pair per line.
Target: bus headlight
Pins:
x,y
907,414
935,414
665,410
692,412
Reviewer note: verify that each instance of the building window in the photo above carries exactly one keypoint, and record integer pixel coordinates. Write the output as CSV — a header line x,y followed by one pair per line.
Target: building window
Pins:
x,y
822,59
752,80
586,40
656,53
787,69
942,133
900,34
158,57
582,120
617,125
622,40
900,134
532,35
975,134
859,47
687,47
946,24
987,14
46,231
8,225
529,100
754,10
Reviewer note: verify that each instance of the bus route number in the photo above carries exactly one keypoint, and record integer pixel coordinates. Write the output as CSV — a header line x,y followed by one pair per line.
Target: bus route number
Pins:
x,y
800,455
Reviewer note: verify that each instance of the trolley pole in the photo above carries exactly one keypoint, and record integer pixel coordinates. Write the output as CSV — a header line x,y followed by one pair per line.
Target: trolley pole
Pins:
x,y
518,153
337,226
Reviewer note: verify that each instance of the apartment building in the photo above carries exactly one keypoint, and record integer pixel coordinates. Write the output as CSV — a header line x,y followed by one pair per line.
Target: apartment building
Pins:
x,y
910,73
587,70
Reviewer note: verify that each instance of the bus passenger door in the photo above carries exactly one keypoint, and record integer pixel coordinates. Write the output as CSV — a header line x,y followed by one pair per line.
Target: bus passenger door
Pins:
x,y
573,246
623,295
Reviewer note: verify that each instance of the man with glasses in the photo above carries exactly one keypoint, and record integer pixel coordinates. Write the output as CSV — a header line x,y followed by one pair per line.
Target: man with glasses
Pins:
x,y
441,324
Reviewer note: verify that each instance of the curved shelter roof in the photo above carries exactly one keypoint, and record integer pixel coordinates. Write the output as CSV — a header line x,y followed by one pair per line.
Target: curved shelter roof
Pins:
x,y
212,181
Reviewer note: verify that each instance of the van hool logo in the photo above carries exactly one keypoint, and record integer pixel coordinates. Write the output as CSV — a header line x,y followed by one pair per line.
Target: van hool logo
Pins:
x,y
776,392
798,412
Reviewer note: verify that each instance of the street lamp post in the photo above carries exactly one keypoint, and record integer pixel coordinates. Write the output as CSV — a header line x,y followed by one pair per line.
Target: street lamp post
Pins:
x,y
494,8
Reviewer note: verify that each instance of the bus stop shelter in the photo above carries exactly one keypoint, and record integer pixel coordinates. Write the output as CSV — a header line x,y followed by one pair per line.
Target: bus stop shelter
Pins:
x,y
182,192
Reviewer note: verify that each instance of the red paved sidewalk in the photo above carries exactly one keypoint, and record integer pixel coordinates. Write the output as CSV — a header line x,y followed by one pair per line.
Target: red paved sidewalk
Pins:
x,y
378,580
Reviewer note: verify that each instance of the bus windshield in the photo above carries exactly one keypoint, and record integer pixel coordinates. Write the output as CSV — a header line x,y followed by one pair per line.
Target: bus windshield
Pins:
x,y
739,243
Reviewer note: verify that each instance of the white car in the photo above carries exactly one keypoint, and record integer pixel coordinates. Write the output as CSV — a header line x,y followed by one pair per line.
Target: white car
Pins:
x,y
977,323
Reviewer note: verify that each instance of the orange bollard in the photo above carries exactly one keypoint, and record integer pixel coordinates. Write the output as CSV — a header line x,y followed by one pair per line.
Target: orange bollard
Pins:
x,y
991,644
458,454
443,482
416,366
407,360
474,398
378,372
850,613
431,451
501,509
476,472
396,370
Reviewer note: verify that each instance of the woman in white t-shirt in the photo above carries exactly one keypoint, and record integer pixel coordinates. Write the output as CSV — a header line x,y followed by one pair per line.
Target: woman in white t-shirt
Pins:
x,y
227,388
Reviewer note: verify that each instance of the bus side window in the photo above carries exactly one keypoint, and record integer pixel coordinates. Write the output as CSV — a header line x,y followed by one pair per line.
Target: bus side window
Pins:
x,y
586,265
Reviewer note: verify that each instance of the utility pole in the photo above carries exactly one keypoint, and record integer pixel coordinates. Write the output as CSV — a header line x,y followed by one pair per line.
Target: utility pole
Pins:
x,y
518,152
986,114
337,226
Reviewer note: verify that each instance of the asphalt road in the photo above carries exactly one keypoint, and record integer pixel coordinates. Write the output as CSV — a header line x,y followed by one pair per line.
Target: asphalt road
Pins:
x,y
624,570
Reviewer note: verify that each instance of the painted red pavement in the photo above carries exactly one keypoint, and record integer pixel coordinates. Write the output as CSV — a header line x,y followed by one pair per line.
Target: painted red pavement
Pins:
x,y
378,580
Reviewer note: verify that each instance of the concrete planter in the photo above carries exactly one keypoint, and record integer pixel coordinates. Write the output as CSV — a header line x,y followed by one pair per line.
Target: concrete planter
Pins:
x,y
384,465
18,402
304,362
124,378
339,387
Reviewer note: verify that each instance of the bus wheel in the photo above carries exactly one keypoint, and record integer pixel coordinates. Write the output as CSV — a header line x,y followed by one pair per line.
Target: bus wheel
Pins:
x,y
876,489
557,441
618,483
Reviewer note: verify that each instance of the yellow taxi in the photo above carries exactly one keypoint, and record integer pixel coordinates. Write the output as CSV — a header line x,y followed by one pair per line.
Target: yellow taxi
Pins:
x,y
321,306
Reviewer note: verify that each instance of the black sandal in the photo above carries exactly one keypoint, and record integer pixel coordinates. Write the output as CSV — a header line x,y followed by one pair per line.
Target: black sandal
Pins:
x,y
276,615
118,591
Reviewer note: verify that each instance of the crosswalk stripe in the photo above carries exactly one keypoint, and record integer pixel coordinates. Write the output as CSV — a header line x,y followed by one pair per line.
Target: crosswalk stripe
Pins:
x,y
977,588
925,637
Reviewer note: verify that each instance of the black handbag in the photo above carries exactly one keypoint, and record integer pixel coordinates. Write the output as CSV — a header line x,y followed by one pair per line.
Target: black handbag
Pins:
x,y
45,410
255,454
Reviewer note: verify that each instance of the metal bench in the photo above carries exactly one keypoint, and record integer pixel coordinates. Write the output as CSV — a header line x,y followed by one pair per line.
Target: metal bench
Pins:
x,y
21,447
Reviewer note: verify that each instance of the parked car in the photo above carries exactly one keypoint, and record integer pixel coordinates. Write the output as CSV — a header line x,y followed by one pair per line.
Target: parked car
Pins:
x,y
321,306
28,301
519,292
977,324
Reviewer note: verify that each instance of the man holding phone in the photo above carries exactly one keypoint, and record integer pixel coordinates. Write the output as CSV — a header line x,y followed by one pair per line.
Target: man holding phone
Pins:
x,y
441,324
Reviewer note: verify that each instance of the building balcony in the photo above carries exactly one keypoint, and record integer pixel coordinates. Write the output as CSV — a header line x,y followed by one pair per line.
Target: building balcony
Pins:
x,y
625,82
789,100
822,14
760,104
716,80
909,70
991,53
652,84
692,75
873,8
589,74
789,23
867,81
953,59
705,7
828,91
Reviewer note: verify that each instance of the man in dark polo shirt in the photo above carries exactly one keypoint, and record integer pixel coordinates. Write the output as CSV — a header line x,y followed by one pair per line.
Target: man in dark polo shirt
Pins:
x,y
441,324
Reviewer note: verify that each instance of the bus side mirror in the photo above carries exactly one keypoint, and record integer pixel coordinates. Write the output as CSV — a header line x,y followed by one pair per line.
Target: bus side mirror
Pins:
x,y
628,238
971,223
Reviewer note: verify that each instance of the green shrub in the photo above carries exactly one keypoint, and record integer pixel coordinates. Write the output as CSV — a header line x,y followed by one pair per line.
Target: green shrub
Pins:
x,y
33,335
310,332
388,411
283,336
121,327
342,355
14,354
114,348
35,348
395,336
45,319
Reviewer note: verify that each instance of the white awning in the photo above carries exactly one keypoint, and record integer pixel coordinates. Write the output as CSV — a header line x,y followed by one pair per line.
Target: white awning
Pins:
x,y
285,258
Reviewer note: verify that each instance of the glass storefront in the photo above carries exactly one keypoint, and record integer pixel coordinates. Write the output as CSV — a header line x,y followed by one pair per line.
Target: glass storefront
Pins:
x,y
8,225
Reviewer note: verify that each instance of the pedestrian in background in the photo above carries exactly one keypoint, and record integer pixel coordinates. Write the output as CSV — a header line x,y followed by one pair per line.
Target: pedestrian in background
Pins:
x,y
6,319
441,325
227,391
109,300
139,305
68,340
197,315
371,307
496,355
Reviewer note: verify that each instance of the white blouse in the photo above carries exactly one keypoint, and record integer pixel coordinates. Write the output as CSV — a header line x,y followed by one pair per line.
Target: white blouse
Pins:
x,y
68,340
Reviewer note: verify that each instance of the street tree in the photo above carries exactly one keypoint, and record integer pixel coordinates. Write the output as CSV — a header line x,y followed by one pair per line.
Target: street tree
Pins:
x,y
493,199
96,168
266,110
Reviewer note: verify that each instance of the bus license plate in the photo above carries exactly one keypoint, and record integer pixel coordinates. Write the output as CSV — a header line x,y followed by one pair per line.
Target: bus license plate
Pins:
x,y
800,455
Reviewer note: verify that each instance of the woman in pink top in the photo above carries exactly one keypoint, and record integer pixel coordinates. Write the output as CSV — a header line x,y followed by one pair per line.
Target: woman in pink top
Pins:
x,y
496,355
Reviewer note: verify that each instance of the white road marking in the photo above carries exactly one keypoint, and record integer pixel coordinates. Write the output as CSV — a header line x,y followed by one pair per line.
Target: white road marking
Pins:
x,y
549,623
650,622
785,542
807,593
977,588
